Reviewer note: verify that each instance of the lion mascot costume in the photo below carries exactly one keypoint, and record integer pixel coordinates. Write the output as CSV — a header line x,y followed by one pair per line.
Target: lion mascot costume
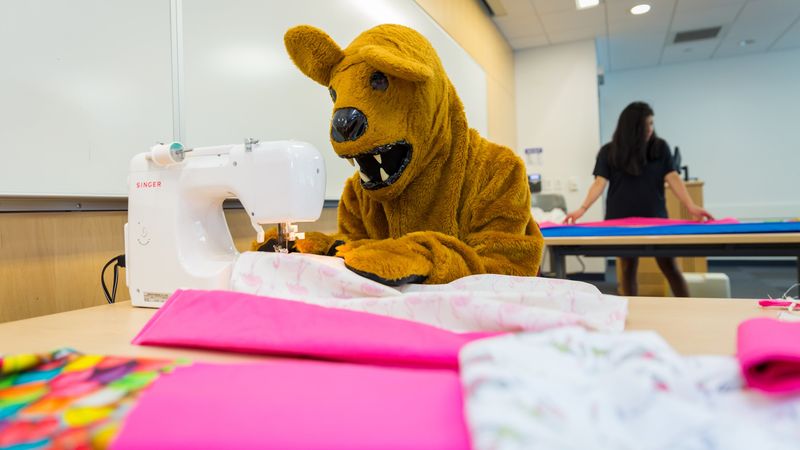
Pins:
x,y
431,200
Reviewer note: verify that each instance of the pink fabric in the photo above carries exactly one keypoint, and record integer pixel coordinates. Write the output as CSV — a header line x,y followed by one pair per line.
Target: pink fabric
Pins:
x,y
298,405
770,303
237,322
769,354
640,222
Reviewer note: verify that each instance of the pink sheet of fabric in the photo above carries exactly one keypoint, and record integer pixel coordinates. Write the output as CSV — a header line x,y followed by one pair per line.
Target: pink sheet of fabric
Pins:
x,y
769,354
233,321
298,405
640,222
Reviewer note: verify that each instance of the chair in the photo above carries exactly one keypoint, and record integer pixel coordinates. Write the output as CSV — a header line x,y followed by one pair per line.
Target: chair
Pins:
x,y
548,202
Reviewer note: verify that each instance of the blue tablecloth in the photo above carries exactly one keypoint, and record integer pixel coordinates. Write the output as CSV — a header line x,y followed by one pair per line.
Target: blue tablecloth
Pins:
x,y
671,230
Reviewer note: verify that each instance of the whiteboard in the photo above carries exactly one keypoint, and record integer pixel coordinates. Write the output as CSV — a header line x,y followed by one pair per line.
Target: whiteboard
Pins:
x,y
94,82
84,85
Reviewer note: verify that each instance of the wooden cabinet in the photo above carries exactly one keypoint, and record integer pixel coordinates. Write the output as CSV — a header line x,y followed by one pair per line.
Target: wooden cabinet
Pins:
x,y
651,282
50,262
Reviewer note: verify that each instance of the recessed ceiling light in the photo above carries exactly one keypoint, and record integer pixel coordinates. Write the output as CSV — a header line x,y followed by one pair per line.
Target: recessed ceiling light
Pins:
x,y
583,4
747,42
640,9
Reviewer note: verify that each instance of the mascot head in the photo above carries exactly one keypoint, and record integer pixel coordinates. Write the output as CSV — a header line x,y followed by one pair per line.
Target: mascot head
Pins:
x,y
392,102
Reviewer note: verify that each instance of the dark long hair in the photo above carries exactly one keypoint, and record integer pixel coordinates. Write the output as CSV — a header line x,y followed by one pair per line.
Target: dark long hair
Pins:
x,y
630,148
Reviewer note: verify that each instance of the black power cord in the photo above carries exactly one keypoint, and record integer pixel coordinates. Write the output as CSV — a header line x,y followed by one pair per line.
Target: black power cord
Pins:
x,y
118,261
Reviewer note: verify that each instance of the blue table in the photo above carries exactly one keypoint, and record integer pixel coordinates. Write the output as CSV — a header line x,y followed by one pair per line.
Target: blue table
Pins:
x,y
743,240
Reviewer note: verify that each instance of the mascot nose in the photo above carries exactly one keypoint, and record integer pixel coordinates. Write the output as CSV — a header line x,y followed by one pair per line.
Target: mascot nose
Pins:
x,y
348,124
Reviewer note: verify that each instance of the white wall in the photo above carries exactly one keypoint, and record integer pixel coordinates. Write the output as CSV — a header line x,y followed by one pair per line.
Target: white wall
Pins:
x,y
557,109
736,121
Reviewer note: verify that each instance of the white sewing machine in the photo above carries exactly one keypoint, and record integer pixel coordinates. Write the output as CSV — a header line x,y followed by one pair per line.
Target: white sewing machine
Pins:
x,y
177,237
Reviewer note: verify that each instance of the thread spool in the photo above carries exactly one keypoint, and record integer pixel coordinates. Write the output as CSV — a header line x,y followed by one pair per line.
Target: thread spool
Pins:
x,y
168,154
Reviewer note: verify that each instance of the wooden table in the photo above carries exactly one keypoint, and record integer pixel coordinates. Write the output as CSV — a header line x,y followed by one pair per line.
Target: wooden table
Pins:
x,y
753,244
692,326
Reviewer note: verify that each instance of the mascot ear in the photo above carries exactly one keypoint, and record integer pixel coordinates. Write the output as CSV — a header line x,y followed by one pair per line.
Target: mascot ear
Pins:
x,y
394,64
313,51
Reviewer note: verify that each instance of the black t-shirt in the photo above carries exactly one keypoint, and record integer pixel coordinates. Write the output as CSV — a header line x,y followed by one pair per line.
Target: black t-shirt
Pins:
x,y
632,195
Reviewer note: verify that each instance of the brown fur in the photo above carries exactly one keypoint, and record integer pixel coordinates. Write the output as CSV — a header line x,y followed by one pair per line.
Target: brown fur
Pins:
x,y
461,207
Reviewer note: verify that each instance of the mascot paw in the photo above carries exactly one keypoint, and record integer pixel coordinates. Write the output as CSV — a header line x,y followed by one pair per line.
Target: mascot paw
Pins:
x,y
318,244
391,262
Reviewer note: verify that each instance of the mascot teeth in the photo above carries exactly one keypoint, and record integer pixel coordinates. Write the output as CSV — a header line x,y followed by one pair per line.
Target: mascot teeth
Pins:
x,y
381,166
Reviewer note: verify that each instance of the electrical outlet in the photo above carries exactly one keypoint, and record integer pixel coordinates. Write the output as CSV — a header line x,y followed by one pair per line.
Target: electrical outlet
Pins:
x,y
556,185
546,185
572,184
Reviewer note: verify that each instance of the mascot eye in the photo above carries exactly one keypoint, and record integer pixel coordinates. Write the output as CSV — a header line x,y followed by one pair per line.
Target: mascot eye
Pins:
x,y
333,94
378,81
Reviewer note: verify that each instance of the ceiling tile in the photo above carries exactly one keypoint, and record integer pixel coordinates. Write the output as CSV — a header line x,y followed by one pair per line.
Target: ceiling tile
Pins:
x,y
689,51
692,19
789,40
517,7
626,41
573,35
593,18
621,9
629,51
763,21
528,42
551,6
695,5
638,26
620,20
520,25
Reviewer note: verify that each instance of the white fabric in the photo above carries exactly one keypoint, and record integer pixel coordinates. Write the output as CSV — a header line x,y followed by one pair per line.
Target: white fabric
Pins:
x,y
555,215
573,389
474,303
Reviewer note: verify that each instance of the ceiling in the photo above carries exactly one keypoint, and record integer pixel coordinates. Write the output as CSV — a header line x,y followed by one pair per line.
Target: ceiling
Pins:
x,y
626,41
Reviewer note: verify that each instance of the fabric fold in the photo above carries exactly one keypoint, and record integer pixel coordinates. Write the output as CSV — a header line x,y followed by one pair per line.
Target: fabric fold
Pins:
x,y
769,355
573,389
473,303
232,321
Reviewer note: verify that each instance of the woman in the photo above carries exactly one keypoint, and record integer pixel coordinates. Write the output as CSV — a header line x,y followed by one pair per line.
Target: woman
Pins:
x,y
636,163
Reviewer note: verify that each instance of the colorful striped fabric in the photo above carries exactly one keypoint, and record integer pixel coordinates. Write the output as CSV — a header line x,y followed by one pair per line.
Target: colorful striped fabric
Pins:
x,y
68,400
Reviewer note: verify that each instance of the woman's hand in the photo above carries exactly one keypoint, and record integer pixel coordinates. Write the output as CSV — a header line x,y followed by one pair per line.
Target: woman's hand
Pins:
x,y
699,214
595,191
575,215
